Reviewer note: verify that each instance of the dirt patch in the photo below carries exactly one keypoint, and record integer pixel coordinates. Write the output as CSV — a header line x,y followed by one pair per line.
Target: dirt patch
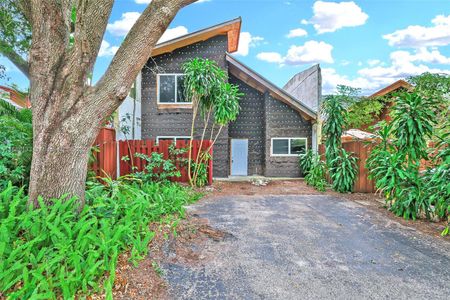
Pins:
x,y
298,187
183,245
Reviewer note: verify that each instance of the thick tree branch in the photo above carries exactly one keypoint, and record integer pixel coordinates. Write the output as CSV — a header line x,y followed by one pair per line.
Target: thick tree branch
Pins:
x,y
18,61
135,52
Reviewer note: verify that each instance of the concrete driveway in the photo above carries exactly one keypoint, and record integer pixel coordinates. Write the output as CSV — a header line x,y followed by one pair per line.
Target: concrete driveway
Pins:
x,y
309,247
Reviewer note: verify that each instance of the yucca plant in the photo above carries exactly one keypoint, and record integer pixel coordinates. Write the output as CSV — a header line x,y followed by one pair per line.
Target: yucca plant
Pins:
x,y
343,172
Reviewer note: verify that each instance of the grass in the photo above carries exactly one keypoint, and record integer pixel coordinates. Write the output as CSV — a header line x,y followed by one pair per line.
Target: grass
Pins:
x,y
55,252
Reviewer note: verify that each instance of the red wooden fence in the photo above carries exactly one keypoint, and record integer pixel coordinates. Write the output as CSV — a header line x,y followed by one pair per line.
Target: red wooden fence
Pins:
x,y
107,158
361,150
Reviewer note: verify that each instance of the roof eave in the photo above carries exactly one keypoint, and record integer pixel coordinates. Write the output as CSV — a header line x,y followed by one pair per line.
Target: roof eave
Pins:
x,y
306,112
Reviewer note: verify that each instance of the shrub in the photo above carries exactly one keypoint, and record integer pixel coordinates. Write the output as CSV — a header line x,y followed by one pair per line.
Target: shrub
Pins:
x,y
316,175
343,172
305,161
157,168
16,142
55,252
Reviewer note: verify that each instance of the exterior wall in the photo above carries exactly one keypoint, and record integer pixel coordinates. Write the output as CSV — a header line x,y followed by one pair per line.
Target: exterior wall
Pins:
x,y
282,121
126,108
177,122
250,124
306,86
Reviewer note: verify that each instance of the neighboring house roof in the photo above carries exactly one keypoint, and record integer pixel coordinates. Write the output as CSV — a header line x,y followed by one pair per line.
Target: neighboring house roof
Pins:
x,y
263,85
15,98
390,88
357,134
230,28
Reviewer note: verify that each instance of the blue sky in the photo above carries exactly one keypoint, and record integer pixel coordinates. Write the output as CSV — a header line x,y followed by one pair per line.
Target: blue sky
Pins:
x,y
363,43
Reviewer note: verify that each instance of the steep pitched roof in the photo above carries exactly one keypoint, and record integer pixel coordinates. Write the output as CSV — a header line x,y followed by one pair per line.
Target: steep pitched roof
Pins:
x,y
306,87
230,28
390,88
263,85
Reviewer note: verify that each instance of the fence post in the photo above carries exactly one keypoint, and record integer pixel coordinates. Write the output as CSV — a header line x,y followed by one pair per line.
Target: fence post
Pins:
x,y
210,165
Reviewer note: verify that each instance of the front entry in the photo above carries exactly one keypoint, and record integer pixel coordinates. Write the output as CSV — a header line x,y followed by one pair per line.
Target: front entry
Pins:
x,y
239,157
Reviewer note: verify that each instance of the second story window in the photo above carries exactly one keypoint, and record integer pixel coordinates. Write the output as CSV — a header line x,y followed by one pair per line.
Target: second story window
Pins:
x,y
170,89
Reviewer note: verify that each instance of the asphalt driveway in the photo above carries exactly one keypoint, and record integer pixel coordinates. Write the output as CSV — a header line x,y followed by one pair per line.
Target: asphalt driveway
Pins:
x,y
309,247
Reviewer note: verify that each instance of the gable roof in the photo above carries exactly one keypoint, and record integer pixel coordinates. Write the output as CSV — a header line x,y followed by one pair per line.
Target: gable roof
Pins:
x,y
230,28
390,88
263,85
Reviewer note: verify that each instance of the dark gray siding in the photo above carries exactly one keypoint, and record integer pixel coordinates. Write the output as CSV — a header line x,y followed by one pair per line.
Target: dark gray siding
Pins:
x,y
157,122
250,125
283,121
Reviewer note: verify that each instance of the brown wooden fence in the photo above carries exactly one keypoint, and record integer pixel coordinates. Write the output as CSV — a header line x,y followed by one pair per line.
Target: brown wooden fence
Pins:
x,y
361,150
107,158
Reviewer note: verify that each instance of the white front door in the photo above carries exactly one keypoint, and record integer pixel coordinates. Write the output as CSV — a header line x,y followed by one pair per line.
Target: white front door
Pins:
x,y
239,157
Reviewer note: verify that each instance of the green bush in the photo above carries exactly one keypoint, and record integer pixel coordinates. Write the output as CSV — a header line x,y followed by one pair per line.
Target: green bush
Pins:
x,y
16,142
55,252
157,168
305,161
316,177
343,172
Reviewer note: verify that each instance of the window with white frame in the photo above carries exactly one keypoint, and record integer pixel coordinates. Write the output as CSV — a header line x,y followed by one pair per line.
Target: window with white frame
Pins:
x,y
173,138
170,89
288,146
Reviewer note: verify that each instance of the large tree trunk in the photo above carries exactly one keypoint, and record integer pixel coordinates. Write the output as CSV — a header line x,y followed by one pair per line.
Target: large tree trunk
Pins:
x,y
67,113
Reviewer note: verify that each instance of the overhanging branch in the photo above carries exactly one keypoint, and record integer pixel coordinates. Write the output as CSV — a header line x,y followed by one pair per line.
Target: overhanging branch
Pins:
x,y
18,61
135,51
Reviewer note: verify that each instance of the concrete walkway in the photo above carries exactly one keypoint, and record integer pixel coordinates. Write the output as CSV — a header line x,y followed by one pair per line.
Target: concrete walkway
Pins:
x,y
309,247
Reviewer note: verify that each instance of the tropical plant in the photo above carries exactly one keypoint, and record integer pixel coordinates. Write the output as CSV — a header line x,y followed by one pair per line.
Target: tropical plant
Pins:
x,y
59,251
335,115
365,111
214,99
157,168
316,176
343,172
16,140
413,121
305,161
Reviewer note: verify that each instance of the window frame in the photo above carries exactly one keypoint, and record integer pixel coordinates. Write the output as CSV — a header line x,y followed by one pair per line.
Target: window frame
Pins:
x,y
158,80
174,137
289,145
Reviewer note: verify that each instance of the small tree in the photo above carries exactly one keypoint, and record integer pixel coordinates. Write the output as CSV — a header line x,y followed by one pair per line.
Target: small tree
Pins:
x,y
214,99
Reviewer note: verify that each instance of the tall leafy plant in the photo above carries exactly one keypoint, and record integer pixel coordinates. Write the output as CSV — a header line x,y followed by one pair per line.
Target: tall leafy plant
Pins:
x,y
339,162
213,99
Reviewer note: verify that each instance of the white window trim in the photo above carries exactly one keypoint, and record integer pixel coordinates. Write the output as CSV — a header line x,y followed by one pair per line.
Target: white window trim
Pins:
x,y
289,145
176,88
175,137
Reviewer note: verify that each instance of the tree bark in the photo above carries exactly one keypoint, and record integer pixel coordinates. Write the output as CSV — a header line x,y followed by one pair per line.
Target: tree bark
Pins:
x,y
67,113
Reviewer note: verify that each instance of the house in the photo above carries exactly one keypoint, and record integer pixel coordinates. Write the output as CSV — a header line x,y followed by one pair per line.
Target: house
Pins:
x,y
14,97
273,127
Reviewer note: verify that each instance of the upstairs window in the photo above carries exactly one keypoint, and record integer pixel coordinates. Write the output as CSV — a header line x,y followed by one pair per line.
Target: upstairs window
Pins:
x,y
170,89
288,146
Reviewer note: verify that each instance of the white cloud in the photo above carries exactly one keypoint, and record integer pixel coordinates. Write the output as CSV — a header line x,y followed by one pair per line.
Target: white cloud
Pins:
x,y
106,49
310,52
172,33
272,57
403,64
345,62
203,1
373,62
142,1
122,26
298,32
331,16
246,40
420,36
